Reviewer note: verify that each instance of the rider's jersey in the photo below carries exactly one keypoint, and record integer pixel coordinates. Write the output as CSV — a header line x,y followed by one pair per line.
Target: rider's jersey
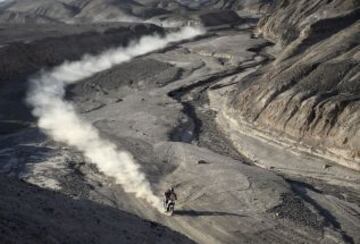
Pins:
x,y
170,195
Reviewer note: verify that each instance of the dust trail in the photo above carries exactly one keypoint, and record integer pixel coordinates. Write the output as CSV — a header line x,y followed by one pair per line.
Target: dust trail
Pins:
x,y
59,120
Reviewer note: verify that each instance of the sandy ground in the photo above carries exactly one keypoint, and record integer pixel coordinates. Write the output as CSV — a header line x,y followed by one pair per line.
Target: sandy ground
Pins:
x,y
165,108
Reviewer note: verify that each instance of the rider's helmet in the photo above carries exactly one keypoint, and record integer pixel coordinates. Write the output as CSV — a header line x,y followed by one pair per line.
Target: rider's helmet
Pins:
x,y
172,189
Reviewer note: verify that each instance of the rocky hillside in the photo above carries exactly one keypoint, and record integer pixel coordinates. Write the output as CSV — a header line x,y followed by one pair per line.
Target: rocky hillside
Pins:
x,y
309,96
29,214
85,11
69,11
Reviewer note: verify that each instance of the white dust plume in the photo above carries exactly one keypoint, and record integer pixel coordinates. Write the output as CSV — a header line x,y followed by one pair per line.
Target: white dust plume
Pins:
x,y
59,120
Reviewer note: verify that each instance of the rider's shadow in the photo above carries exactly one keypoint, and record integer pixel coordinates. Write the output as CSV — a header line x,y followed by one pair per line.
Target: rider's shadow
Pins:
x,y
195,213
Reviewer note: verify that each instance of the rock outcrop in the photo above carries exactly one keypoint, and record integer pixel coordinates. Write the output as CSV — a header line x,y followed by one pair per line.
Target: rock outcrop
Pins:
x,y
310,95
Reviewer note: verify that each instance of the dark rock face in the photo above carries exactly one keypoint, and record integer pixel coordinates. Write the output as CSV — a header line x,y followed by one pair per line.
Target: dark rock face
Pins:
x,y
219,17
310,94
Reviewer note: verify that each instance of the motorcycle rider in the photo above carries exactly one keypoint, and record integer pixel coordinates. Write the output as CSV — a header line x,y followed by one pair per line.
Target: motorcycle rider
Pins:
x,y
170,196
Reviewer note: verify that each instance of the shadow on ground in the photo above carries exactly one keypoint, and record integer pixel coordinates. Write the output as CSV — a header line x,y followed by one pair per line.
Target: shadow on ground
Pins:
x,y
194,213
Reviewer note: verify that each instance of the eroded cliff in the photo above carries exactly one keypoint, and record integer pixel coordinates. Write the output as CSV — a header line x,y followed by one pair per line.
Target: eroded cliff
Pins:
x,y
309,95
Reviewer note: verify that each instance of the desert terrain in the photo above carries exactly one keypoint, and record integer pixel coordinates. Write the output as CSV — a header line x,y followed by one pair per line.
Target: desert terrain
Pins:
x,y
249,109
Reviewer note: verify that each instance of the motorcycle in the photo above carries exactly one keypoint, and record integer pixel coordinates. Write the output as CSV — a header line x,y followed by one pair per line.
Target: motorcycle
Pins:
x,y
169,207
